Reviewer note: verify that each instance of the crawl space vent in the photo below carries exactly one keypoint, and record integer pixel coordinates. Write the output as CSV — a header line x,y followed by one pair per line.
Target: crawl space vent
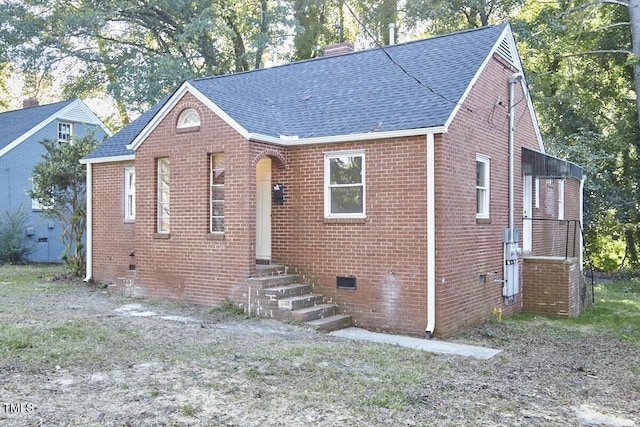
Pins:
x,y
346,282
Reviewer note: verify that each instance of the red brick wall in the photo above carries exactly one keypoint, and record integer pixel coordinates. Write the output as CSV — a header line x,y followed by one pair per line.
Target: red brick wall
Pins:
x,y
190,263
386,252
468,248
113,238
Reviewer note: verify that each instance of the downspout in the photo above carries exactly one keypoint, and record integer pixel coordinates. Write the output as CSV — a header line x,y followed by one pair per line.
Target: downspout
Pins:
x,y
89,237
515,78
581,216
431,237
511,250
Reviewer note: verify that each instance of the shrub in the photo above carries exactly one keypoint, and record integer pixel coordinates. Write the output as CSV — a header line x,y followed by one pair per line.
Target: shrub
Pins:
x,y
15,246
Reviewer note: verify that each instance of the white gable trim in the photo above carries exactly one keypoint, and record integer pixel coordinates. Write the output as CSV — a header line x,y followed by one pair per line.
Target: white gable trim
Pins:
x,y
505,41
70,113
79,112
172,102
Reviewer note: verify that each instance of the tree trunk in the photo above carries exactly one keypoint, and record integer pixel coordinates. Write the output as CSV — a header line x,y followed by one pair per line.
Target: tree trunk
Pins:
x,y
634,17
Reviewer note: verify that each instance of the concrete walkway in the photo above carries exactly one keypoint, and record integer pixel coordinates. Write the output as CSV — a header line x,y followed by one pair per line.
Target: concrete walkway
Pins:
x,y
433,346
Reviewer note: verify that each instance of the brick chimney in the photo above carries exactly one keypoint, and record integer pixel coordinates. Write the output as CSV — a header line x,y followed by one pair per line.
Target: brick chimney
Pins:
x,y
338,49
30,102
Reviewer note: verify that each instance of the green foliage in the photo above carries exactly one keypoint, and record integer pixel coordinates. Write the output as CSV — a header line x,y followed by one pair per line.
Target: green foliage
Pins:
x,y
231,308
15,246
59,183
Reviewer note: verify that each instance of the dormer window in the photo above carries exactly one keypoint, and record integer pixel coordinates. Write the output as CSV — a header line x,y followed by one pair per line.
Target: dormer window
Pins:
x,y
188,118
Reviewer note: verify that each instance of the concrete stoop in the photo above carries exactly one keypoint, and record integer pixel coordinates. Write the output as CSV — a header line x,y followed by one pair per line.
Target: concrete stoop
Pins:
x,y
277,294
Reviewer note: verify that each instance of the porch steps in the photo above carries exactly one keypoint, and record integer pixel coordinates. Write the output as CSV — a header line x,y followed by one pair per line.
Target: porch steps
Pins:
x,y
283,296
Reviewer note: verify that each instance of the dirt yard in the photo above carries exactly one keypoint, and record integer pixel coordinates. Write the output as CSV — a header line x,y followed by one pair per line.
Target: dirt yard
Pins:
x,y
77,356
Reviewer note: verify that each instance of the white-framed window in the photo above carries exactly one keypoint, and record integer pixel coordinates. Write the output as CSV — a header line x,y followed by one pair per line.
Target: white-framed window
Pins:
x,y
482,186
188,118
163,195
561,199
65,132
129,194
344,184
216,193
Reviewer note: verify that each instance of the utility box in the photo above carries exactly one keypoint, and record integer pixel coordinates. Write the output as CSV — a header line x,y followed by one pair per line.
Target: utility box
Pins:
x,y
511,269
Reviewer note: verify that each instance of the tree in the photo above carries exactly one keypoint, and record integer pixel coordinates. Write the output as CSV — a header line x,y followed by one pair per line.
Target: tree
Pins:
x,y
59,185
134,51
580,68
14,244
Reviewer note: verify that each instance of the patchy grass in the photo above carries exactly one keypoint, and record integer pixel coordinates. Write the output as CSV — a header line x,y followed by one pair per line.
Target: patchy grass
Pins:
x,y
616,310
616,313
72,346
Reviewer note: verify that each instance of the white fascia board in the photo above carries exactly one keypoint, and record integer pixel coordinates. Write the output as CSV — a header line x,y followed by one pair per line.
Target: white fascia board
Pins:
x,y
532,111
57,115
291,142
108,159
86,115
172,102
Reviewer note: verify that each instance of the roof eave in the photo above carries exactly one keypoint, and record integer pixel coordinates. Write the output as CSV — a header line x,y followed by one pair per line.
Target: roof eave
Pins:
x,y
110,159
333,139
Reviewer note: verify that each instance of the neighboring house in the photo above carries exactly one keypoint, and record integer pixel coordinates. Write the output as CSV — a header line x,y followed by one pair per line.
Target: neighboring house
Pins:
x,y
20,134
380,176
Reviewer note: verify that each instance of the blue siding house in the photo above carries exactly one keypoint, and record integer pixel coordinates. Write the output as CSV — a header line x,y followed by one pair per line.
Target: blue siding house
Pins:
x,y
20,134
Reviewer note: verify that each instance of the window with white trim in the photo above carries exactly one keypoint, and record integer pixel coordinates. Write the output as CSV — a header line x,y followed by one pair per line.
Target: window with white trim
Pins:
x,y
561,199
482,186
344,184
216,193
163,195
65,132
188,118
129,194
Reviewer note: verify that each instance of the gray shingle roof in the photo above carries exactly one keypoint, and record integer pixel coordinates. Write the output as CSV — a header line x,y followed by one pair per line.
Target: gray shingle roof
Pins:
x,y
116,145
14,124
360,92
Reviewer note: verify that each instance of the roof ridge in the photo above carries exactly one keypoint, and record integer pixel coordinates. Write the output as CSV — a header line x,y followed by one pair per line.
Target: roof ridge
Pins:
x,y
38,107
355,52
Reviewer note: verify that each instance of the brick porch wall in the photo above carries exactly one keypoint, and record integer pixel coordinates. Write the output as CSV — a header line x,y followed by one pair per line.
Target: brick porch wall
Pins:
x,y
552,286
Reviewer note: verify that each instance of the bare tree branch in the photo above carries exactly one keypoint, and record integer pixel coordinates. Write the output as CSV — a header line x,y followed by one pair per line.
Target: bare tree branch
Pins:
x,y
594,52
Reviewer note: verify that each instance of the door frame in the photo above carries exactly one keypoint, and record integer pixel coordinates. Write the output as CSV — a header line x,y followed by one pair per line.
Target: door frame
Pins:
x,y
263,209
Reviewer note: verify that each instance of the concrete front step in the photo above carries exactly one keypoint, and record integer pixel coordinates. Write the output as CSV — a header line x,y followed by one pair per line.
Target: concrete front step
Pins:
x,y
286,291
299,301
273,281
263,270
317,311
330,323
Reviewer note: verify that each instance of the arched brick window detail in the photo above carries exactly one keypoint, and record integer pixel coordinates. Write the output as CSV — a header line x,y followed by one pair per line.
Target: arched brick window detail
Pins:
x,y
188,118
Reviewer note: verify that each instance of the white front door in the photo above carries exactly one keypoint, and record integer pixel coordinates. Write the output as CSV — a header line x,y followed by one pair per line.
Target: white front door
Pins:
x,y
527,212
263,209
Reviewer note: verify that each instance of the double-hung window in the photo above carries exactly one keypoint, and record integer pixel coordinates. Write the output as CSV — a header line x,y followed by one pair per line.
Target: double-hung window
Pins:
x,y
65,131
482,186
163,195
216,193
561,199
344,184
129,194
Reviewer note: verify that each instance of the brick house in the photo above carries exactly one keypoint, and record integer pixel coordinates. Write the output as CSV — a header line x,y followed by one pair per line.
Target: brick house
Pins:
x,y
381,177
